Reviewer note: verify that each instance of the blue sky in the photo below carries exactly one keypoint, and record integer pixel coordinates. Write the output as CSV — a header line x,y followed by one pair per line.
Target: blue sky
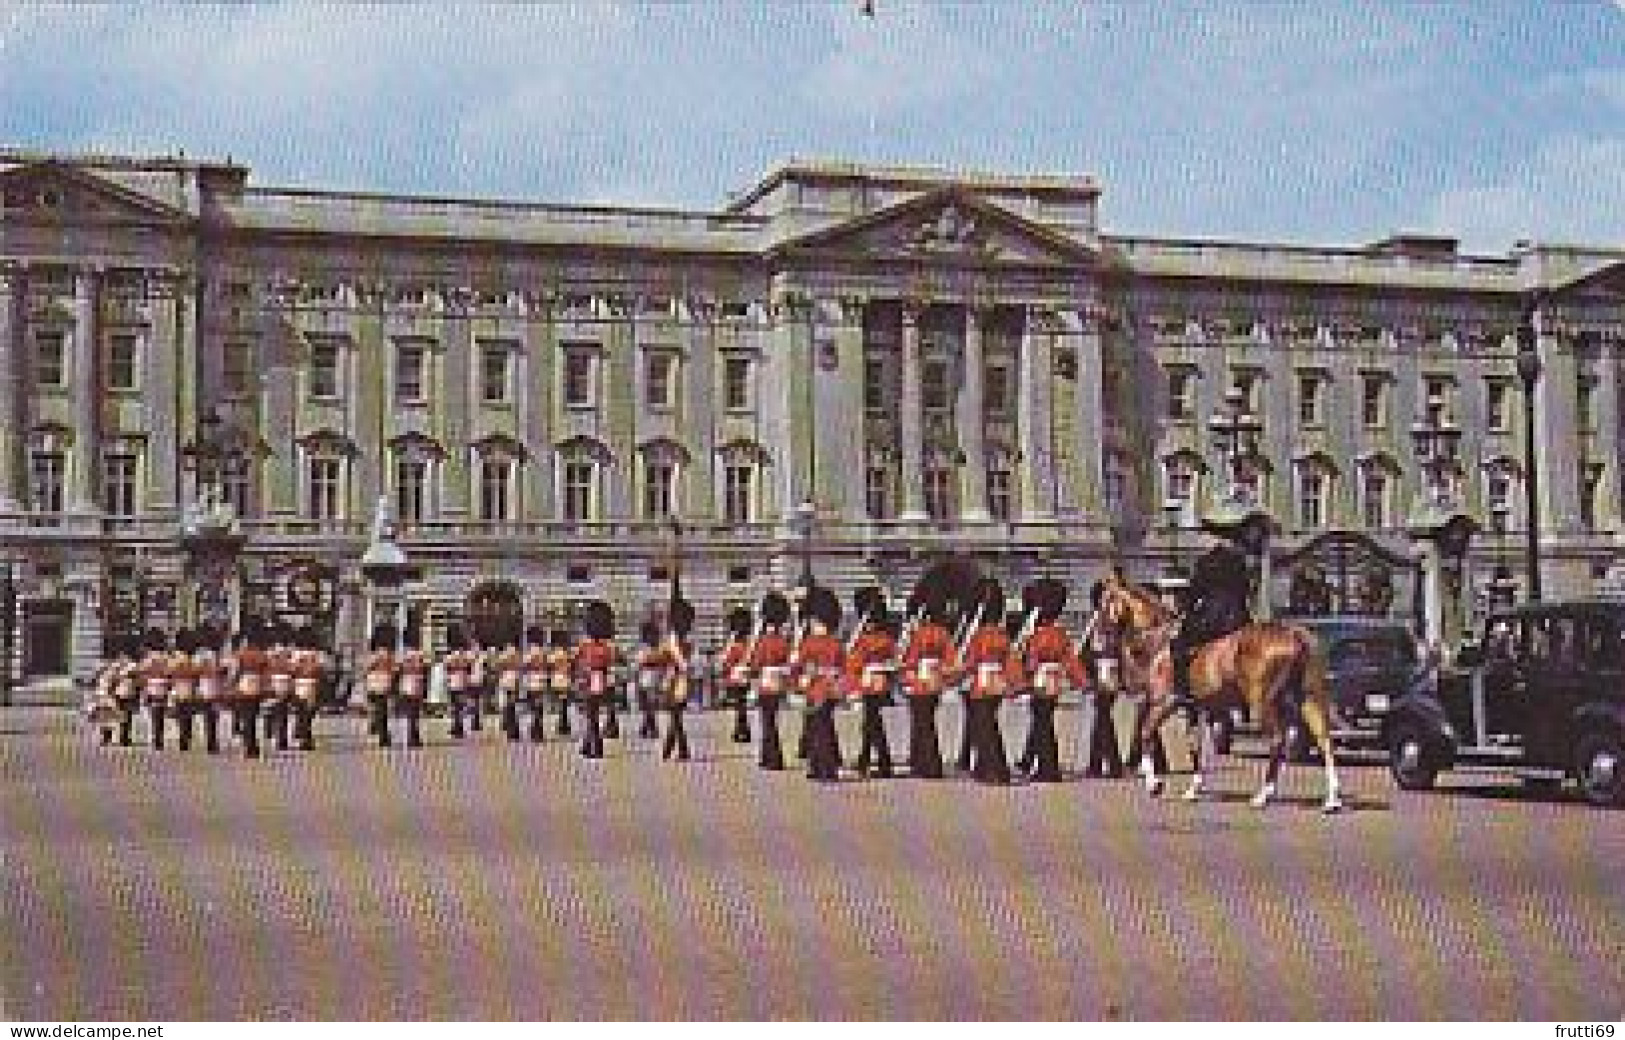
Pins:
x,y
1326,121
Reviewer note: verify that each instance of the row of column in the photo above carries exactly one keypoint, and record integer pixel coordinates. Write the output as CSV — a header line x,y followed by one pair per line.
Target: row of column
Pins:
x,y
1038,473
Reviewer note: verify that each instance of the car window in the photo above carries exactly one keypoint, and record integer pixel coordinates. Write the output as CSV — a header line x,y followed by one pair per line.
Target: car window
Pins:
x,y
1379,650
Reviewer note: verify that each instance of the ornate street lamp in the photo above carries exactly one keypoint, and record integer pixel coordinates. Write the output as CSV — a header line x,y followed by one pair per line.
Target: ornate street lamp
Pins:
x,y
1237,516
209,535
386,570
805,515
1528,364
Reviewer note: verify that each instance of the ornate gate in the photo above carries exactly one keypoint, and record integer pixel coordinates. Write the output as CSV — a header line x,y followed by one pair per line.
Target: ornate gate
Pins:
x,y
1346,573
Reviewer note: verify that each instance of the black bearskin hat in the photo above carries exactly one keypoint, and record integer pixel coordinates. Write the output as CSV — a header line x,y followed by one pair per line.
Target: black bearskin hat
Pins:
x,y
599,620
823,606
383,638
1045,598
775,609
455,637
989,601
535,635
680,617
649,632
156,639
186,640
411,638
740,622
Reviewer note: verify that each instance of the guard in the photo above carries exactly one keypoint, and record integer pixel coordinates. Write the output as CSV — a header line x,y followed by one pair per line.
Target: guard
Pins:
x,y
769,662
736,671
1049,658
871,664
595,660
929,659
820,659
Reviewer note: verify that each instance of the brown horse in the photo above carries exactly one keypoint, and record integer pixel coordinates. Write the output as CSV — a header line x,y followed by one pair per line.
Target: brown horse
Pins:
x,y
1276,669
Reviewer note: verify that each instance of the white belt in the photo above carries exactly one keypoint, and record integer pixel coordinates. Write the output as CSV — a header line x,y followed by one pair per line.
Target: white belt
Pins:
x,y
739,675
928,668
988,672
1048,671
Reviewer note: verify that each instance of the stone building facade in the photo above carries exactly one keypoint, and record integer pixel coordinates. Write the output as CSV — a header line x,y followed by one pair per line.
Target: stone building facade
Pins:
x,y
927,358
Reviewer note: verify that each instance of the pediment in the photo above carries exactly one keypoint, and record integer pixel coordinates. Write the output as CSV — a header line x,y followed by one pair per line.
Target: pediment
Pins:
x,y
952,226
54,191
1605,283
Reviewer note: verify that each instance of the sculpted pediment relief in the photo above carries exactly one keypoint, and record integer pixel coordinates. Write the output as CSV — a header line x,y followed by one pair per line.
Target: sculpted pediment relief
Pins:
x,y
949,226
58,192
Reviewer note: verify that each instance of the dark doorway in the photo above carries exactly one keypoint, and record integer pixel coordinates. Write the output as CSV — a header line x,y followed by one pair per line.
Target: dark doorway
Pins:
x,y
496,613
47,638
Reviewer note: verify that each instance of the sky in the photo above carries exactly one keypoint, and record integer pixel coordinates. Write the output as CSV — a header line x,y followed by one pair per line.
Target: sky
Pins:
x,y
1332,122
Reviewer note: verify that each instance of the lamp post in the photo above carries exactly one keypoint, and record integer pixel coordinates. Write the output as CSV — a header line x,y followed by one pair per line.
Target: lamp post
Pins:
x,y
1438,520
805,514
1238,517
8,627
1528,364
209,534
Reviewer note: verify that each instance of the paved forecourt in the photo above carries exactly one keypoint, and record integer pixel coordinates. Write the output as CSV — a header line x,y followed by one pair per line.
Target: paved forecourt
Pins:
x,y
493,881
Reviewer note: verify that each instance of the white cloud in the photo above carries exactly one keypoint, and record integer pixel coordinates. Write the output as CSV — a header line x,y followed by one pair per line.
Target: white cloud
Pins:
x,y
908,58
1571,192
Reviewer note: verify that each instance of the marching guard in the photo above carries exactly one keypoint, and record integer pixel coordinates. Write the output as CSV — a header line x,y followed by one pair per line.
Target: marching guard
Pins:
x,y
558,661
534,684
1049,658
652,667
101,706
183,686
870,665
413,684
736,672
378,681
249,664
769,662
279,667
462,696
594,662
928,660
992,672
675,652
155,683
820,657
514,665
309,665
208,664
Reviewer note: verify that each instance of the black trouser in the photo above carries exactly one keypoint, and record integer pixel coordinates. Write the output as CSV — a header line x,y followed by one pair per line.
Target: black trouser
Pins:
x,y
127,708
538,716
592,745
650,727
612,717
804,739
1105,758
459,702
276,720
991,764
246,715
412,707
740,696
304,723
1137,748
156,713
967,734
676,735
823,744
1042,756
211,726
564,714
183,724
875,744
924,748
772,752
509,712
378,721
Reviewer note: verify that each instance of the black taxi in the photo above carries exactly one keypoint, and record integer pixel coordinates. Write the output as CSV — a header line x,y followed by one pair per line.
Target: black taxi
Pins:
x,y
1540,694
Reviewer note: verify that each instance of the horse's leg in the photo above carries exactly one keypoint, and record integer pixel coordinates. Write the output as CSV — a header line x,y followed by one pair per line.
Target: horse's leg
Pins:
x,y
1195,731
1314,719
1274,725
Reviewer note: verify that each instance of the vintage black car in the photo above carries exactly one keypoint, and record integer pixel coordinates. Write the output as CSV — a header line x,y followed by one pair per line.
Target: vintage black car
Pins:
x,y
1541,694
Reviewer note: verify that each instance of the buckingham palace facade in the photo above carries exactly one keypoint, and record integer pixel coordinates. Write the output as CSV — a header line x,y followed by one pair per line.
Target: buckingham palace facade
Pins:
x,y
843,369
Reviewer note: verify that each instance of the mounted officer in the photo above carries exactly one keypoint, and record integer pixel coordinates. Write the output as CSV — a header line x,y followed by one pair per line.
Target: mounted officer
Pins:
x,y
1216,604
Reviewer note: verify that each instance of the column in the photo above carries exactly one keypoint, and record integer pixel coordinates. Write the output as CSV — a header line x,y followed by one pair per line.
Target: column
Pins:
x,y
970,420
87,395
1557,440
1433,593
1085,335
13,330
1034,426
912,425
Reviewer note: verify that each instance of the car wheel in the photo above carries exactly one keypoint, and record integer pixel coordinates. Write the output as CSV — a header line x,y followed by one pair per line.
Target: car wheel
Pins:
x,y
1222,729
1410,760
1600,761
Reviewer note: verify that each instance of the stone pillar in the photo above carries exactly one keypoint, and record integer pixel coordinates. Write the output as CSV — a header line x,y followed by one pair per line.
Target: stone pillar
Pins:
x,y
87,395
1084,333
13,351
1433,593
972,433
912,419
1034,425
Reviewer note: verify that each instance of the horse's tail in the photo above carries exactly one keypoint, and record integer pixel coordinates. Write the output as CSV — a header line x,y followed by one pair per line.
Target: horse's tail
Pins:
x,y
1309,676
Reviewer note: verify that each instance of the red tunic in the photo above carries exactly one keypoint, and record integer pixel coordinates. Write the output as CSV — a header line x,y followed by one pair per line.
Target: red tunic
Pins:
x,y
1052,662
928,659
993,669
821,659
770,660
593,660
735,669
870,663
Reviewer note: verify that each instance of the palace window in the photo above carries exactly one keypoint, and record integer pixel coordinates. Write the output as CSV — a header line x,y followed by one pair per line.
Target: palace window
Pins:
x,y
934,383
1374,400
237,368
1000,491
939,482
1312,399
324,370
496,373
1497,405
411,489
45,479
1443,390
580,483
1376,497
496,487
877,485
659,378
1585,402
579,365
997,396
739,482
736,383
324,487
122,362
1181,392
1314,495
659,479
877,395
119,469
1247,381
411,366
50,359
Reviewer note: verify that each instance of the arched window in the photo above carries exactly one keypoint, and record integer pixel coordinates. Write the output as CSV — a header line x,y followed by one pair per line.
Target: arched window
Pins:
x,y
582,461
414,475
1378,490
497,463
742,465
660,481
